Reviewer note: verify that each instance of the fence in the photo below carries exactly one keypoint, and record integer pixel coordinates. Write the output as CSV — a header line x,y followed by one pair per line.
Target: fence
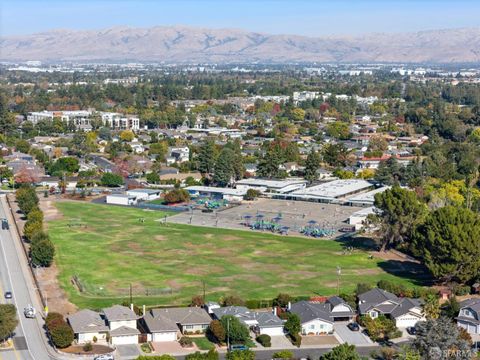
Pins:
x,y
98,290
144,205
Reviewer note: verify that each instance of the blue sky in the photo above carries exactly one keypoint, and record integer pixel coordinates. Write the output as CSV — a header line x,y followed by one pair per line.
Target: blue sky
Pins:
x,y
304,17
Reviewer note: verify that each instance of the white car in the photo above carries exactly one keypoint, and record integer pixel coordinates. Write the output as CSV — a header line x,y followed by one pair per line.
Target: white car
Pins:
x,y
104,357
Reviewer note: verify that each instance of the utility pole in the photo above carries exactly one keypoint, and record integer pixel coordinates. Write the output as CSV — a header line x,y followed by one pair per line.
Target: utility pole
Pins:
x,y
203,282
131,301
228,334
339,272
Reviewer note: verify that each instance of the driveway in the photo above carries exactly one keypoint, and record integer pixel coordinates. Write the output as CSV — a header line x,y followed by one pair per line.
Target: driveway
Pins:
x,y
281,342
351,337
128,351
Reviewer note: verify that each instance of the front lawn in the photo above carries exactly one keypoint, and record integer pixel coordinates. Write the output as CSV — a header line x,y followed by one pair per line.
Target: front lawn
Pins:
x,y
203,343
102,251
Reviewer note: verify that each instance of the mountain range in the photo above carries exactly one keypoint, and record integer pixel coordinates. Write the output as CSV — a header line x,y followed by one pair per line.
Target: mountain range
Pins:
x,y
182,44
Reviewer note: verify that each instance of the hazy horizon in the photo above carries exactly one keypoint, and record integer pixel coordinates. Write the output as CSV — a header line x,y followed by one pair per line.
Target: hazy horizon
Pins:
x,y
301,17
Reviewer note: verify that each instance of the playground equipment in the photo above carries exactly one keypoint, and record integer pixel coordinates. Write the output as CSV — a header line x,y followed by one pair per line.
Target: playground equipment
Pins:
x,y
316,231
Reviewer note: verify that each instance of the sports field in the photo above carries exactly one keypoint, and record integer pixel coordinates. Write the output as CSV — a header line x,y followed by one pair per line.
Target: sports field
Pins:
x,y
103,250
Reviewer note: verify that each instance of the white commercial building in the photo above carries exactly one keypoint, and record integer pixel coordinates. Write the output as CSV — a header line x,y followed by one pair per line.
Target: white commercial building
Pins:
x,y
144,194
365,199
275,186
330,192
357,218
217,192
121,199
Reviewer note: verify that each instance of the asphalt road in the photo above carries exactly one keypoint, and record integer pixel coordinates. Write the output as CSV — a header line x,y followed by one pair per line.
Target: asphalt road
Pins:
x,y
29,340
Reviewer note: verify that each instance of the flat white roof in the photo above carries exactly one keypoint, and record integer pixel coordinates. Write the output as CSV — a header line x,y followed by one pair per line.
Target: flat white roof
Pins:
x,y
218,190
275,184
122,196
368,197
364,211
143,191
333,189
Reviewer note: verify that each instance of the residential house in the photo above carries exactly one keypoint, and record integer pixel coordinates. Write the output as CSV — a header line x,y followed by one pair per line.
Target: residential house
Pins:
x,y
87,326
405,312
319,317
469,316
178,155
190,320
122,325
260,322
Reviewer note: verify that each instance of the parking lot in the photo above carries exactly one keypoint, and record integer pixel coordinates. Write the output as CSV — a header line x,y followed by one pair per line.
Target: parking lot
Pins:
x,y
293,215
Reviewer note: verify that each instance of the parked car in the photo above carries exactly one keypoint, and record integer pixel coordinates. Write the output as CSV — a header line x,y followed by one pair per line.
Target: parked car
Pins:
x,y
8,295
412,330
5,224
29,312
239,347
104,357
353,326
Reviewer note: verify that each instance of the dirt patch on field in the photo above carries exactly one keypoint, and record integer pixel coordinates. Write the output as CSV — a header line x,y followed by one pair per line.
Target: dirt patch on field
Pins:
x,y
173,284
367,271
160,237
50,211
230,238
392,255
208,236
134,246
57,298
223,251
304,274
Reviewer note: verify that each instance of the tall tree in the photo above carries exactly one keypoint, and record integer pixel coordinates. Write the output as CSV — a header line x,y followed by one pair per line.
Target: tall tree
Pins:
x,y
224,171
312,165
437,338
449,241
431,307
206,157
400,212
8,320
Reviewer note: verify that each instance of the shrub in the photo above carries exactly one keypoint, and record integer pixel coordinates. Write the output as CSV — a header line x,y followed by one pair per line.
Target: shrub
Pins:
x,y
94,339
282,300
177,196
157,357
217,331
240,355
251,194
153,178
88,347
210,355
293,325
52,316
35,215
39,236
460,290
185,341
31,228
388,353
296,339
112,180
42,253
238,333
197,301
284,354
233,300
27,199
61,334
264,340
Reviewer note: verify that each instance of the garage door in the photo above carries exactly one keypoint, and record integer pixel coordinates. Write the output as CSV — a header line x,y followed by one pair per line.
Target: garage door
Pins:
x,y
165,336
125,340
406,322
276,331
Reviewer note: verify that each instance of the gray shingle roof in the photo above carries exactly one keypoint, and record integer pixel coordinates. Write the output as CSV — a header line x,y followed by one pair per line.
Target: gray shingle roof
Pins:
x,y
86,321
308,311
159,323
184,316
473,304
119,313
375,297
124,331
262,319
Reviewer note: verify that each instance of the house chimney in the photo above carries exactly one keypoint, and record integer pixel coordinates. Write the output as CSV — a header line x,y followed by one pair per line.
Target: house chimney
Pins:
x,y
131,306
144,310
275,310
289,306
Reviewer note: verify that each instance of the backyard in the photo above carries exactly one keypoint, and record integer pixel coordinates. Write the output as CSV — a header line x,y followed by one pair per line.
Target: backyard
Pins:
x,y
104,253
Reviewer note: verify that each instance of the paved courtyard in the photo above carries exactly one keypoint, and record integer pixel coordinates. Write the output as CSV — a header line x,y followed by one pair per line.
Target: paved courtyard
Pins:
x,y
293,214
319,340
128,351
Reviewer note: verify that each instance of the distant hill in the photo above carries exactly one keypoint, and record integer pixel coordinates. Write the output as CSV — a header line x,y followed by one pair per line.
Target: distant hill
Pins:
x,y
182,44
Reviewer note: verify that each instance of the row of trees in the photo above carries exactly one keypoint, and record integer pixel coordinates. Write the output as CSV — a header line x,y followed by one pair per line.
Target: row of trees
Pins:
x,y
42,249
59,331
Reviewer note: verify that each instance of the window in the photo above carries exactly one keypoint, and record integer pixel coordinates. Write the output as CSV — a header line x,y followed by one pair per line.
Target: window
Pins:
x,y
322,326
188,327
466,312
312,327
373,314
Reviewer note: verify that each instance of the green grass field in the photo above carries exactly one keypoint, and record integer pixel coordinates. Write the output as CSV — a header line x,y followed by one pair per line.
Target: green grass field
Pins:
x,y
107,248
